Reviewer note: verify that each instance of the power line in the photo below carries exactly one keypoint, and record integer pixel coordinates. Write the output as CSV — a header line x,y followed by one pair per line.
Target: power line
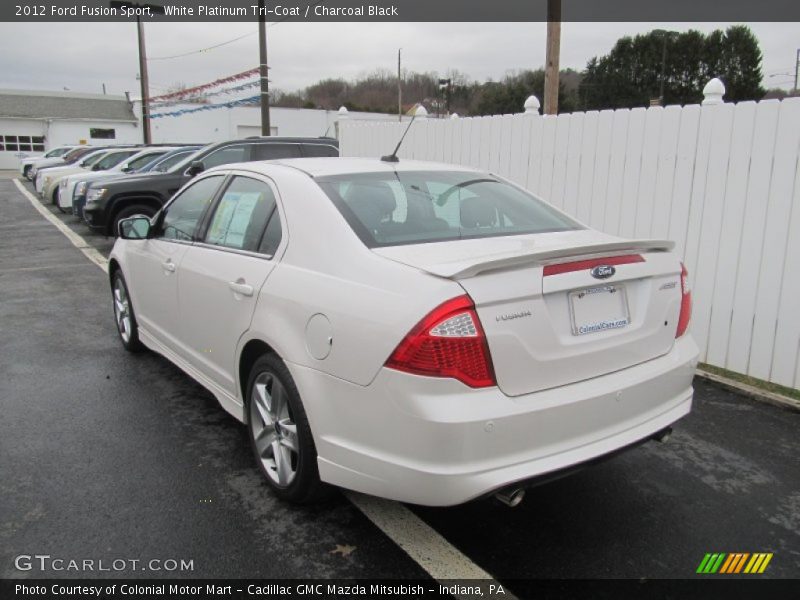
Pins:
x,y
206,49
225,43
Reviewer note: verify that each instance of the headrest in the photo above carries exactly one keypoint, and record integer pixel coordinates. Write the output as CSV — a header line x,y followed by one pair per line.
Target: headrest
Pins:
x,y
372,202
477,212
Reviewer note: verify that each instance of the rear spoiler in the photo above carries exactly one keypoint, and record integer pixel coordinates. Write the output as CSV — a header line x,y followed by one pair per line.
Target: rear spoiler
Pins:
x,y
461,269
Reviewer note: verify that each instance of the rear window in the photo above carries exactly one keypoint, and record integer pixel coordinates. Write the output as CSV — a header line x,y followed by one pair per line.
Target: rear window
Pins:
x,y
391,209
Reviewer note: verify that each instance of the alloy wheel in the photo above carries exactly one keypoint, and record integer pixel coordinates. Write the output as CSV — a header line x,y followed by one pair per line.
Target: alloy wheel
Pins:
x,y
122,310
274,430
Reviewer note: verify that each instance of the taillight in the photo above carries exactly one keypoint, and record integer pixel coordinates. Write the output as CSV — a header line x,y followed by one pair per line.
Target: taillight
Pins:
x,y
686,303
448,342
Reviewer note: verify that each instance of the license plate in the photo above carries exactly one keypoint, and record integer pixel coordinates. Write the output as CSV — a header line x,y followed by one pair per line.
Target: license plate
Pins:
x,y
598,309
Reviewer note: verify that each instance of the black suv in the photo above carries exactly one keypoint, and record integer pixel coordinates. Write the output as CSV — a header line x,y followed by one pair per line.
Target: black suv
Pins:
x,y
110,201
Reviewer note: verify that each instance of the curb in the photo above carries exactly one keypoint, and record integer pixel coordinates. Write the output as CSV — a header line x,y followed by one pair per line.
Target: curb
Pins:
x,y
750,391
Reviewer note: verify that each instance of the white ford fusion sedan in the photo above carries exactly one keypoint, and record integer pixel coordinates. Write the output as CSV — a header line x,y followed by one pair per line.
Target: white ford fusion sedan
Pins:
x,y
422,332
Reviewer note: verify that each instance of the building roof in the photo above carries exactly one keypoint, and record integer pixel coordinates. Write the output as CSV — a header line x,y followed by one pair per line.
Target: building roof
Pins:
x,y
35,104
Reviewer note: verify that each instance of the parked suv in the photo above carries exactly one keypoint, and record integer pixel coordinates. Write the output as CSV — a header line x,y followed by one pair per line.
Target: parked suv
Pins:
x,y
26,162
108,202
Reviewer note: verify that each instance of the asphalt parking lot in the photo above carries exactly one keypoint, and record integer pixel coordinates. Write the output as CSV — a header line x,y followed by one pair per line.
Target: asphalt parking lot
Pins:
x,y
107,455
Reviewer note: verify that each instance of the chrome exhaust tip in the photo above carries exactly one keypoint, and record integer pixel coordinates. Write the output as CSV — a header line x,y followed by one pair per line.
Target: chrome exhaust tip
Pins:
x,y
663,435
511,497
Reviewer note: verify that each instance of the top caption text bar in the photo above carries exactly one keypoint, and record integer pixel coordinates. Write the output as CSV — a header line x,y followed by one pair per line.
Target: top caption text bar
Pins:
x,y
402,10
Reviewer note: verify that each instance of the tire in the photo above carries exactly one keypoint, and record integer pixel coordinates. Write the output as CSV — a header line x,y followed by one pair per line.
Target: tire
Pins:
x,y
54,197
26,172
124,317
135,210
276,422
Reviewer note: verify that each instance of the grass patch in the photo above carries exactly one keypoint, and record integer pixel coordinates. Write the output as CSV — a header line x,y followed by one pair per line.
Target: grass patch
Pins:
x,y
746,379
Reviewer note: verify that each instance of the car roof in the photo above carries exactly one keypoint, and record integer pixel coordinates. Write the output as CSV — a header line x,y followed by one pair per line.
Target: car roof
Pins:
x,y
331,166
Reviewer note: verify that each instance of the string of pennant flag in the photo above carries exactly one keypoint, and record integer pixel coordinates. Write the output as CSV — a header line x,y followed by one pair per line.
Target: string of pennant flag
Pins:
x,y
203,96
204,87
185,111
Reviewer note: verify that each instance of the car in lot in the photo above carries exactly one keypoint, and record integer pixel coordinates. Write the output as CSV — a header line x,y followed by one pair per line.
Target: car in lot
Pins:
x,y
26,162
107,159
44,175
422,332
67,158
108,203
72,187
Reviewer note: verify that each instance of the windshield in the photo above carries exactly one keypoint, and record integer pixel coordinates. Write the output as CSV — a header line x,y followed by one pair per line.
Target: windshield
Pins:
x,y
109,160
137,163
75,154
88,162
188,159
56,152
390,209
168,163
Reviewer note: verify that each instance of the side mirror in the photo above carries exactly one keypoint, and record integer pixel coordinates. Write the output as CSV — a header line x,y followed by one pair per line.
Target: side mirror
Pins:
x,y
95,167
195,168
134,228
127,169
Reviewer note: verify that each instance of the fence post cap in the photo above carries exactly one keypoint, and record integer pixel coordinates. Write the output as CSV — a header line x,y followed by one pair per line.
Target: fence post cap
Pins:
x,y
532,105
343,112
713,92
454,116
421,112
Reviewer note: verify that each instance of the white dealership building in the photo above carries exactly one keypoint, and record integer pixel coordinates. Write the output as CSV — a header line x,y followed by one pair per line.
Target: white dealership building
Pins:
x,y
32,122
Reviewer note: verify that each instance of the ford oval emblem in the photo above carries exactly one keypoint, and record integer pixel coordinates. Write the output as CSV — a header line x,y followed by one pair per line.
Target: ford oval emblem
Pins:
x,y
603,271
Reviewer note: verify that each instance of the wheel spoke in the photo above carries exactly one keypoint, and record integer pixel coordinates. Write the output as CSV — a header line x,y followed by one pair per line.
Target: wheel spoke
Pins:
x,y
283,463
261,401
278,400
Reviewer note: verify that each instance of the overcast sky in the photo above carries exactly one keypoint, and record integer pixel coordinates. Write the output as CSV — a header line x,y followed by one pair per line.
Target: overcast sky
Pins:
x,y
83,56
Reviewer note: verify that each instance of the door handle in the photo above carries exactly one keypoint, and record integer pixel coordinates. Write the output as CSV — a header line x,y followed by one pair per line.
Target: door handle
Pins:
x,y
168,265
240,287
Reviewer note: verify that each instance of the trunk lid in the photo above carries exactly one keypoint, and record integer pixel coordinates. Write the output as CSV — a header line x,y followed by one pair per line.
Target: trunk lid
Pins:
x,y
549,325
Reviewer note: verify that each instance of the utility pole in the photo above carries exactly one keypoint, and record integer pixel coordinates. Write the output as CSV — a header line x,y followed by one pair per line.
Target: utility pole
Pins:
x,y
400,88
444,88
263,68
663,67
143,79
796,69
664,36
552,57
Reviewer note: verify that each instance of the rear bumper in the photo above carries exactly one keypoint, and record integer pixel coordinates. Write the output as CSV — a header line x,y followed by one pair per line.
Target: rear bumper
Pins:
x,y
437,442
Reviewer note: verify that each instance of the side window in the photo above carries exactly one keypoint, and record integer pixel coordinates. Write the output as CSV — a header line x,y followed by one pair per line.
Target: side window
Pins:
x,y
241,215
226,156
311,150
273,151
272,236
185,211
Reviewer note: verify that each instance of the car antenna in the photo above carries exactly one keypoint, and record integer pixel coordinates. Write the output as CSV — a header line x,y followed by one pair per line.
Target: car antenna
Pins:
x,y
393,156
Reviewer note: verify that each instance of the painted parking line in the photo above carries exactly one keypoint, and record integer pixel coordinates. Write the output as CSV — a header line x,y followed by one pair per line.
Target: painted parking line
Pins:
x,y
424,545
91,253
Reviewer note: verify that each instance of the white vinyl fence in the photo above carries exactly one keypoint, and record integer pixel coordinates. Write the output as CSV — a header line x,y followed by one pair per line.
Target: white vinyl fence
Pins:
x,y
721,180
